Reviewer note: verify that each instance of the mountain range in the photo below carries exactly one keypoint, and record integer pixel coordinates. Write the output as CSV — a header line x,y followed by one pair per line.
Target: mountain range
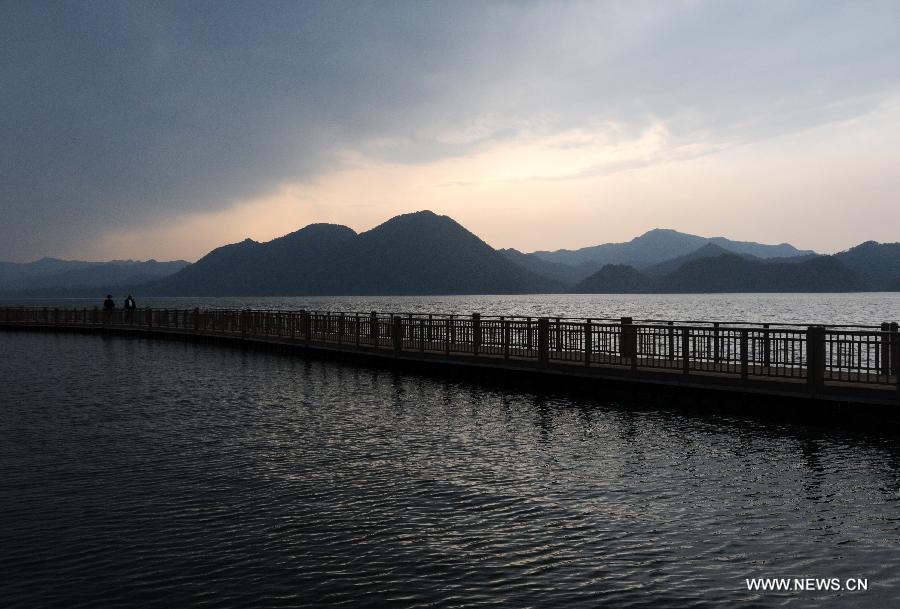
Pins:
x,y
424,253
52,277
662,244
418,253
867,267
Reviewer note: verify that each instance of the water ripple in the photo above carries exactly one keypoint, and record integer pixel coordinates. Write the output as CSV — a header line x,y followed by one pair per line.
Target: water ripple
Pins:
x,y
152,474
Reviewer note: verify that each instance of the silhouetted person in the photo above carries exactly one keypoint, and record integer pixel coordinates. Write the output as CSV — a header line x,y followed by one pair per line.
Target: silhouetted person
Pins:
x,y
108,306
130,306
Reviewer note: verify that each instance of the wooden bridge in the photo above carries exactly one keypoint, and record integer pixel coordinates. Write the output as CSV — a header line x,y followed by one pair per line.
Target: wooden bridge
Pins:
x,y
851,364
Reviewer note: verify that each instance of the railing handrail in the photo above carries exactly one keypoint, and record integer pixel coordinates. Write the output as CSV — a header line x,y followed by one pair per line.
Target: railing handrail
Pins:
x,y
816,354
644,322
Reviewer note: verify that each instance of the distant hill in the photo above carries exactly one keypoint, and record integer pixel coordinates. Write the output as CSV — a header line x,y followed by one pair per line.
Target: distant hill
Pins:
x,y
562,273
659,245
878,263
710,250
733,273
55,277
615,279
418,253
726,272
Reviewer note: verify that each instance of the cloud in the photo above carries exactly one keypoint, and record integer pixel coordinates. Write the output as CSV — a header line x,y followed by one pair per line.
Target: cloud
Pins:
x,y
120,116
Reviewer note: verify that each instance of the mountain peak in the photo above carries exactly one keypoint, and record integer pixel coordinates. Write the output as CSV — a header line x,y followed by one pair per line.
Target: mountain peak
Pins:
x,y
425,220
661,231
317,230
425,215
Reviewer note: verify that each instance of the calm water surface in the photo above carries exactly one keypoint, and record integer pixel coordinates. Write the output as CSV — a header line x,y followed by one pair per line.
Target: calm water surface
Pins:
x,y
868,308
141,473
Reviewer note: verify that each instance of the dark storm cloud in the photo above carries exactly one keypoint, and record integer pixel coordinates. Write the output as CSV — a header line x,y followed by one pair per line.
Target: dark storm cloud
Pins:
x,y
117,114
121,111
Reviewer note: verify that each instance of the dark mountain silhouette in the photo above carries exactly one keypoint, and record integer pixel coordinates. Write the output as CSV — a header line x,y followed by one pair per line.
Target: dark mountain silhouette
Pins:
x,y
282,266
659,245
733,273
55,277
728,272
760,250
562,273
878,263
419,253
791,259
615,279
710,250
423,253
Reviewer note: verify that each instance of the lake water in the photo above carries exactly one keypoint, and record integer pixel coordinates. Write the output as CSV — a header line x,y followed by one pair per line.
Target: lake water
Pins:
x,y
866,308
145,473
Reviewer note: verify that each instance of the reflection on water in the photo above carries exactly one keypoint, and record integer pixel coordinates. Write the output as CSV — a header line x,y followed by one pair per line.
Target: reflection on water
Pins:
x,y
144,473
870,308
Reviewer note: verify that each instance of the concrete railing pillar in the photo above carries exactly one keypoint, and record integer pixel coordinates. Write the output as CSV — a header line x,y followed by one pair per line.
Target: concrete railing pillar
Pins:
x,y
306,326
885,345
476,333
671,337
588,341
397,333
543,327
627,338
815,358
895,350
745,354
507,338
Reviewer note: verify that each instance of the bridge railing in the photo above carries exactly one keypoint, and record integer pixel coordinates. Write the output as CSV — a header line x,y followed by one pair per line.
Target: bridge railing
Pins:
x,y
815,354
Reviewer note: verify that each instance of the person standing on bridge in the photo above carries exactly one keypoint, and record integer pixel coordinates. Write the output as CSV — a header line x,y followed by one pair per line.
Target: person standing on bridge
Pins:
x,y
108,306
130,306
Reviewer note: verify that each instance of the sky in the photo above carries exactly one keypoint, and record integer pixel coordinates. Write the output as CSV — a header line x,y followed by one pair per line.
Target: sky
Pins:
x,y
165,129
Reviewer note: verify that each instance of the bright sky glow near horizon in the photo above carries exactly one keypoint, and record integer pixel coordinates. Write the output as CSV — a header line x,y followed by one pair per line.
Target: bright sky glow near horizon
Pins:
x,y
138,130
